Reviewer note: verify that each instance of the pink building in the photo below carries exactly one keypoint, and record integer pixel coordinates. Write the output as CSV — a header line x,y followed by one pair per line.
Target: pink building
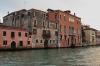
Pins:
x,y
12,38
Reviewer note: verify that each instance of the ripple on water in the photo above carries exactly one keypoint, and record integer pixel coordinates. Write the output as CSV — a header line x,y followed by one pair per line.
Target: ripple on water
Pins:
x,y
55,57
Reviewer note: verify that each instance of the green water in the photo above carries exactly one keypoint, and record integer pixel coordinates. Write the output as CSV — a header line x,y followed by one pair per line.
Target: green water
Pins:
x,y
55,57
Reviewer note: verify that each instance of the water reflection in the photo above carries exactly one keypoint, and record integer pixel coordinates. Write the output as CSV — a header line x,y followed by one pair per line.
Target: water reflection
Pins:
x,y
54,57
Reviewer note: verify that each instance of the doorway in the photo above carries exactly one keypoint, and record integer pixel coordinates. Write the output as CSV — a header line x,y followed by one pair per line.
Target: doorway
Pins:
x,y
13,44
46,43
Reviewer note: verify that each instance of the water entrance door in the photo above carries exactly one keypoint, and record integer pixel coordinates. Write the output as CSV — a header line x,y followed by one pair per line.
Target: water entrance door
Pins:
x,y
46,44
13,45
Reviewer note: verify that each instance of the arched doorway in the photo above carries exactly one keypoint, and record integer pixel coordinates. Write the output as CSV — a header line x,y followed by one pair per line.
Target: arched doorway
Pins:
x,y
13,44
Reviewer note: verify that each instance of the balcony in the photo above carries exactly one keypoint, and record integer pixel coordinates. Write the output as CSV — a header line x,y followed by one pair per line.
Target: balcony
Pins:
x,y
46,34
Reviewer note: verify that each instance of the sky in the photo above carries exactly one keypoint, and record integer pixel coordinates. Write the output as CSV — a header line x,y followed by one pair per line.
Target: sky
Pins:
x,y
88,10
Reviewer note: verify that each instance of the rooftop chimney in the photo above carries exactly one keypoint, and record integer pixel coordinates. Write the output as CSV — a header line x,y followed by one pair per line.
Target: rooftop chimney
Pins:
x,y
74,14
8,12
68,11
50,10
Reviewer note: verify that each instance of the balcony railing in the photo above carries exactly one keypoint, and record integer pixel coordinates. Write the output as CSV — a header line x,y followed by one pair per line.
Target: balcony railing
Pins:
x,y
46,34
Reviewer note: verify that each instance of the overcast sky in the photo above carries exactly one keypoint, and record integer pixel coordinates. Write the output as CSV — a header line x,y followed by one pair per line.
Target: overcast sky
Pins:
x,y
88,10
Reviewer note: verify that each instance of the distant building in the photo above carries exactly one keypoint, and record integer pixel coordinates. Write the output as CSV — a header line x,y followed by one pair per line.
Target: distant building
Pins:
x,y
89,35
83,33
13,37
98,37
69,31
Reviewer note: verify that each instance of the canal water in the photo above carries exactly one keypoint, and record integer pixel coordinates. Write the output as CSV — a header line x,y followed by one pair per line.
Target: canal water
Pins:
x,y
89,56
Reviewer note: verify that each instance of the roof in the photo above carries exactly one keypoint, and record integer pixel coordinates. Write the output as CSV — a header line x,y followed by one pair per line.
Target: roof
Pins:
x,y
67,12
90,29
23,10
36,10
15,12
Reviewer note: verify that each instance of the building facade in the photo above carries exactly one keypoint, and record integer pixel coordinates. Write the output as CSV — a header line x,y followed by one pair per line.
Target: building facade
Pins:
x,y
89,35
69,27
14,38
45,37
35,21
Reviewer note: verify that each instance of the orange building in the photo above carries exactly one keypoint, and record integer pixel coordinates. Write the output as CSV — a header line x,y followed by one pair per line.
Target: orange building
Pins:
x,y
14,38
69,27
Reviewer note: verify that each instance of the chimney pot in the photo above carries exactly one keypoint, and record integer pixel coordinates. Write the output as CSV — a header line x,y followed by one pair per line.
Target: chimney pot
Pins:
x,y
74,14
68,11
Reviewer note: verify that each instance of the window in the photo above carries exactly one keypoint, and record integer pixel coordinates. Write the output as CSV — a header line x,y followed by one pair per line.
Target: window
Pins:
x,y
34,23
12,34
17,17
44,32
56,25
71,19
19,34
71,30
20,43
33,14
25,34
60,28
53,41
28,42
15,23
4,42
30,33
44,15
77,22
30,36
29,13
48,24
43,24
34,31
65,29
4,33
60,37
22,15
78,38
41,41
64,17
36,41
68,41
50,41
12,21
56,16
60,16
56,33
65,37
